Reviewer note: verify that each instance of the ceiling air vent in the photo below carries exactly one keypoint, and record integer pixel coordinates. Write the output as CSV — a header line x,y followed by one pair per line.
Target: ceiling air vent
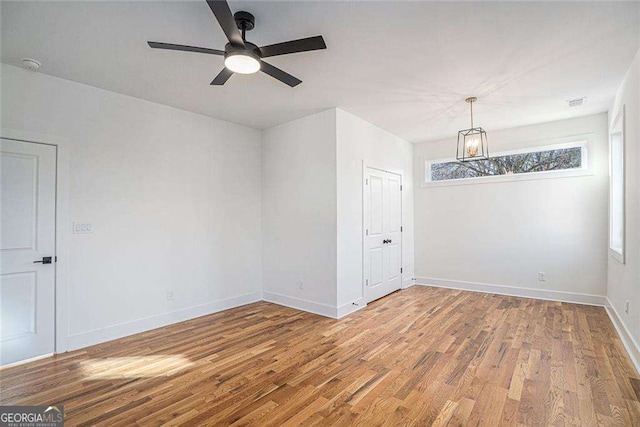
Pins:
x,y
577,102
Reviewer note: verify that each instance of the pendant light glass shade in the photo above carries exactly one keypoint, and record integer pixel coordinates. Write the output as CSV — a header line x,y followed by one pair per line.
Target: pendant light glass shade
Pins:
x,y
472,142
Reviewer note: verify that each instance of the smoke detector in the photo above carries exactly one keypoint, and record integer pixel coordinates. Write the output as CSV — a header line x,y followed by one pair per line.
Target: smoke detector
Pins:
x,y
577,102
31,64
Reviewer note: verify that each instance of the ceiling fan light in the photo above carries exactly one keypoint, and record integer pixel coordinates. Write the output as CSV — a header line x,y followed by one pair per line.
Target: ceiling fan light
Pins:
x,y
242,63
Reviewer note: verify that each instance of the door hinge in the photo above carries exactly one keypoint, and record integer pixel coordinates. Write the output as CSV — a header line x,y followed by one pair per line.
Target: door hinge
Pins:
x,y
367,231
400,269
366,282
366,181
401,229
401,188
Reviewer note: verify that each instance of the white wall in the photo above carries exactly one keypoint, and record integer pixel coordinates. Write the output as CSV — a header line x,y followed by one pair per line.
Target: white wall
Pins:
x,y
505,233
358,140
299,213
312,208
174,197
623,282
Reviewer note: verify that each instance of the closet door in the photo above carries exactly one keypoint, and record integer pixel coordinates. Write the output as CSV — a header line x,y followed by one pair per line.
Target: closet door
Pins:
x,y
383,233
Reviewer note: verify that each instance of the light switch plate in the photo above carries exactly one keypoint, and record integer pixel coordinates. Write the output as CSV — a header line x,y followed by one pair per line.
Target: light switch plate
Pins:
x,y
82,227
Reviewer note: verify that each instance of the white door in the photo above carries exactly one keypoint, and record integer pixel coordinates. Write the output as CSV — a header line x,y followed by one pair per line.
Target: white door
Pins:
x,y
27,234
383,233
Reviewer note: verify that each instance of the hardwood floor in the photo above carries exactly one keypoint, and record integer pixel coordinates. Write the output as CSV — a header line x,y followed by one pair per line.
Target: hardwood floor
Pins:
x,y
421,356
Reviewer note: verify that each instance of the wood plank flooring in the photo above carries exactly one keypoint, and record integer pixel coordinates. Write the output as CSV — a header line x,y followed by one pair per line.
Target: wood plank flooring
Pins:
x,y
421,356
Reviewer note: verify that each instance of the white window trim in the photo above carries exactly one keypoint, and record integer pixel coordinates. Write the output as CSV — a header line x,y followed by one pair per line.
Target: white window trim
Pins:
x,y
584,170
619,121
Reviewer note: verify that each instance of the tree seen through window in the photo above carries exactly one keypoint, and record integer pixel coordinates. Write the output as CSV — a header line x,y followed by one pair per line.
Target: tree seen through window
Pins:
x,y
538,161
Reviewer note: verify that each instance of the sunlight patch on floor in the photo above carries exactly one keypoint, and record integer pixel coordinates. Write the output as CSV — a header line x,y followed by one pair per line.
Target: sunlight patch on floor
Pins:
x,y
134,367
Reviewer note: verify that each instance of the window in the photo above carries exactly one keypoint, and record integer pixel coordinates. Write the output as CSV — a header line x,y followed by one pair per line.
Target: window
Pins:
x,y
541,160
616,192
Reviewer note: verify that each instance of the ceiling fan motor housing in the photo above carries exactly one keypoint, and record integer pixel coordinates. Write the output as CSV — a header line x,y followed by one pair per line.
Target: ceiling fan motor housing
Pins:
x,y
249,49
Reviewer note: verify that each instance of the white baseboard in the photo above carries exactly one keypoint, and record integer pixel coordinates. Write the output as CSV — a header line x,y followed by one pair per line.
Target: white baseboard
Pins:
x,y
408,283
629,343
97,336
22,362
301,304
352,307
544,294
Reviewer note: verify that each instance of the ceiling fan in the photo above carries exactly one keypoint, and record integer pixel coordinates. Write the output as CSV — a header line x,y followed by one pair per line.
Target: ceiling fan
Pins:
x,y
241,56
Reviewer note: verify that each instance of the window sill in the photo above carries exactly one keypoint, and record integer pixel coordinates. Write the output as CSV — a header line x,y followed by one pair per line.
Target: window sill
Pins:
x,y
510,178
616,255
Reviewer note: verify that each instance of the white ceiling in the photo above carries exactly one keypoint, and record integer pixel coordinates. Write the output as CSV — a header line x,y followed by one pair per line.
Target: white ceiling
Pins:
x,y
404,66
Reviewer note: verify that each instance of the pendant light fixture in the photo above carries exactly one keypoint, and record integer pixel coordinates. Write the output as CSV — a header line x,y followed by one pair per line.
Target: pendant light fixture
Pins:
x,y
472,142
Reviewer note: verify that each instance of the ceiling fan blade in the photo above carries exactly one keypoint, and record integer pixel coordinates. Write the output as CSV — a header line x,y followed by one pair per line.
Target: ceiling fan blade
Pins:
x,y
171,46
293,46
222,12
222,77
277,73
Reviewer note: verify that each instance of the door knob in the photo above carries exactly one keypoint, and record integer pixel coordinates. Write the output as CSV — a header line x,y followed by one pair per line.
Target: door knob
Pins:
x,y
45,260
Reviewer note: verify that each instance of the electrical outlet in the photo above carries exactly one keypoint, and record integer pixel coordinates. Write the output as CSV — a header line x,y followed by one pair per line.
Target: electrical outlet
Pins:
x,y
169,295
626,306
300,285
542,276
